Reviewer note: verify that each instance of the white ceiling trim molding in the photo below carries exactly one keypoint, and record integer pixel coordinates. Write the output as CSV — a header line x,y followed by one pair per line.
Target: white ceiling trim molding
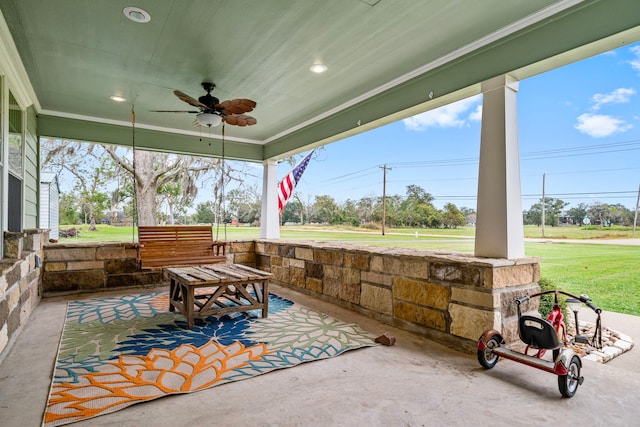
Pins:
x,y
495,36
204,134
12,68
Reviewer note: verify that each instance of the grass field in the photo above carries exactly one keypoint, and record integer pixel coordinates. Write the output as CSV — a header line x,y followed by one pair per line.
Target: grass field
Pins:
x,y
609,274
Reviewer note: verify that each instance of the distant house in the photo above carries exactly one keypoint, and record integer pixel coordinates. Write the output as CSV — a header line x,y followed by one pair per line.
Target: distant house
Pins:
x,y
49,206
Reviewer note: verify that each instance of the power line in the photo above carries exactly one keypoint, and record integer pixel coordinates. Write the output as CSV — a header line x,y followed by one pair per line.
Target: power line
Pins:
x,y
585,171
535,155
352,175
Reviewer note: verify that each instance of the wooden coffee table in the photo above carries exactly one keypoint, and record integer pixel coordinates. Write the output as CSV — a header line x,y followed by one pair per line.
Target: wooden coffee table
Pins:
x,y
222,289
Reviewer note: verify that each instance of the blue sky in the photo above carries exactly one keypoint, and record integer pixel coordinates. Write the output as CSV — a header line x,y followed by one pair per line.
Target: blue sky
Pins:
x,y
579,125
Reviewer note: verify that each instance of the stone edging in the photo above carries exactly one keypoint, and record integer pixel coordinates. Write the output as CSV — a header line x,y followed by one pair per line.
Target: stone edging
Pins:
x,y
614,344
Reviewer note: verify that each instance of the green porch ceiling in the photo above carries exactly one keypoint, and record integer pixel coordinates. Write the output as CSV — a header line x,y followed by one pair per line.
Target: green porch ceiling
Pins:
x,y
383,62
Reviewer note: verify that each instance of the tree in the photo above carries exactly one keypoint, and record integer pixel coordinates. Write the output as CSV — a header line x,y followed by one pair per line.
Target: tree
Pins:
x,y
244,204
417,209
158,176
469,214
291,212
306,207
533,215
452,217
176,198
91,170
325,209
367,208
205,213
417,193
154,170
619,214
599,212
552,210
349,213
578,213
68,209
393,211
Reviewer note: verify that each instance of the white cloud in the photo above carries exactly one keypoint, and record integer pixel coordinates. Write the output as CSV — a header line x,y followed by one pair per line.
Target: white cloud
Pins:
x,y
618,96
635,63
476,115
599,126
451,115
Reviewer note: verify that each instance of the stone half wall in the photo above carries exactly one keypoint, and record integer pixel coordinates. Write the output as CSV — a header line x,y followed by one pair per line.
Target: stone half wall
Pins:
x,y
20,273
87,267
450,297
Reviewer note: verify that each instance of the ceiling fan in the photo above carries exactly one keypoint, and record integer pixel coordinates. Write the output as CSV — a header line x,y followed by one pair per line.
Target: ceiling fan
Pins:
x,y
211,112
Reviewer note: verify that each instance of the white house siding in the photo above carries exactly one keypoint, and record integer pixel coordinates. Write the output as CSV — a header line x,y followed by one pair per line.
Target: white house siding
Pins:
x,y
49,204
31,168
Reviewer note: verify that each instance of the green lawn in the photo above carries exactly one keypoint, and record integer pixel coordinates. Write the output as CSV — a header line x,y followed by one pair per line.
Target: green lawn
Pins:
x,y
609,274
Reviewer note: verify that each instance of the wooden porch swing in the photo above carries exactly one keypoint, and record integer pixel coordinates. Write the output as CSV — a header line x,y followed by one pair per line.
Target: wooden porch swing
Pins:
x,y
176,245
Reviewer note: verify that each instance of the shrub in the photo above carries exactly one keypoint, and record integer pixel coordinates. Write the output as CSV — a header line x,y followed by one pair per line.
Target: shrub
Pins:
x,y
371,226
546,301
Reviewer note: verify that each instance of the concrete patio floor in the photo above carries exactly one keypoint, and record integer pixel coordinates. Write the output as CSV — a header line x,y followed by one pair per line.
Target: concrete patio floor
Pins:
x,y
416,382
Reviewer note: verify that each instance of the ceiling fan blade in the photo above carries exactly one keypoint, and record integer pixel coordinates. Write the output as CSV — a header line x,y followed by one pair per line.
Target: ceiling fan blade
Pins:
x,y
173,111
189,100
236,106
240,120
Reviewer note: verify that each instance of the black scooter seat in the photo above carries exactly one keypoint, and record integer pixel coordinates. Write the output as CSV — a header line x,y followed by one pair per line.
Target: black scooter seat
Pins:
x,y
537,333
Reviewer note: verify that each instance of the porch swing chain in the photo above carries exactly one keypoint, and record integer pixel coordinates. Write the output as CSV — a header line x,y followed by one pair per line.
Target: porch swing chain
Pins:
x,y
221,207
134,223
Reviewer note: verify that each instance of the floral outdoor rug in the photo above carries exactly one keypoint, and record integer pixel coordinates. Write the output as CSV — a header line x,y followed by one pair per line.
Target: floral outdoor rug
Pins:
x,y
119,351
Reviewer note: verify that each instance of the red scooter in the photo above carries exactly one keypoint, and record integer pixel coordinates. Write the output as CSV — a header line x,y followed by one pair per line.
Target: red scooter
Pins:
x,y
541,335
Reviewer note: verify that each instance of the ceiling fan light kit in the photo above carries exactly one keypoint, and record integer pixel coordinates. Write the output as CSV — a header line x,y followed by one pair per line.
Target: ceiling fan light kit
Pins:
x,y
211,112
208,119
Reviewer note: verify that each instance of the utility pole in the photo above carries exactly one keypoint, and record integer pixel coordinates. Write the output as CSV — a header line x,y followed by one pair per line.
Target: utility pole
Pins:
x,y
635,218
384,194
543,203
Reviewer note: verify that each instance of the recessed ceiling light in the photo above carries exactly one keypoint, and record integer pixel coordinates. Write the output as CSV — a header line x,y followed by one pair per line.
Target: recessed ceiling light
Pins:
x,y
118,98
136,14
318,68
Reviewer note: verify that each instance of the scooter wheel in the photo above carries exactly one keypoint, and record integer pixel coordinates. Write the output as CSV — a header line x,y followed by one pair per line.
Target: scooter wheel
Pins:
x,y
487,357
568,384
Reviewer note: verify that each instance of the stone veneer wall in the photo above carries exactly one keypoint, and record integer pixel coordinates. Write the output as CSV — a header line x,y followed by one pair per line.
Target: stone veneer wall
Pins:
x,y
450,297
19,281
86,267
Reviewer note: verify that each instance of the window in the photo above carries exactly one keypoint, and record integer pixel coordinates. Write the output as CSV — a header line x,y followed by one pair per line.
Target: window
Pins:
x,y
16,165
16,139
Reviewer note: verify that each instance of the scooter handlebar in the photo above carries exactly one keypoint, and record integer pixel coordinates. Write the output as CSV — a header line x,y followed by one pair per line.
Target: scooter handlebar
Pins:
x,y
593,307
523,299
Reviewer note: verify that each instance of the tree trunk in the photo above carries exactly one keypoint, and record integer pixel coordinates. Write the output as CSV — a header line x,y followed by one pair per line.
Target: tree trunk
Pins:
x,y
146,188
172,220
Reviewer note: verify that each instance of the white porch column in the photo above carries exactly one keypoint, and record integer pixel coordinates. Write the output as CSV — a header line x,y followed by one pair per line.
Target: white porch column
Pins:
x,y
499,228
269,218
4,159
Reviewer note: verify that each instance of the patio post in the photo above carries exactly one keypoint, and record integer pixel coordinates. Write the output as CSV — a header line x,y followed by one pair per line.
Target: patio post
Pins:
x,y
269,219
4,154
499,228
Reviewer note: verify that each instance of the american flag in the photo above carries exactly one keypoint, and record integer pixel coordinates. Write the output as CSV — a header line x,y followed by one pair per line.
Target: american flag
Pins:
x,y
288,183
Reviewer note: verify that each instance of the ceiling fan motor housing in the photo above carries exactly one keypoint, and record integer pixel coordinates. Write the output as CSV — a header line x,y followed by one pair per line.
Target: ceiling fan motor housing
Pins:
x,y
209,100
